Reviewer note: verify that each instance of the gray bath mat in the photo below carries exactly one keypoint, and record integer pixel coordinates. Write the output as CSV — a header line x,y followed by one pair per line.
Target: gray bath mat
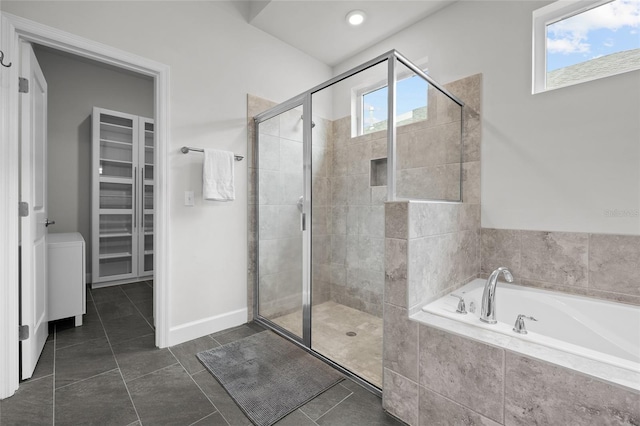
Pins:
x,y
268,376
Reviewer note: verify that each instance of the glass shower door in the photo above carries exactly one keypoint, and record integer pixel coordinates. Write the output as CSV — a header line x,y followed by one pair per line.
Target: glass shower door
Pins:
x,y
281,212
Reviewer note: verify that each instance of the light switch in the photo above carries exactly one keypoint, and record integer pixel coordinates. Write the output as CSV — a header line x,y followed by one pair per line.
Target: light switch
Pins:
x,y
189,198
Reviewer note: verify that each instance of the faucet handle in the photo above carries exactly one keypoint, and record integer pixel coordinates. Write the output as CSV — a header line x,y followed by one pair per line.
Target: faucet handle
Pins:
x,y
519,326
462,308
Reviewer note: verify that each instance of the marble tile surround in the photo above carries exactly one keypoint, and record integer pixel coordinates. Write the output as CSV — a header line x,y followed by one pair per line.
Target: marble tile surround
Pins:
x,y
431,249
456,379
540,393
604,266
441,242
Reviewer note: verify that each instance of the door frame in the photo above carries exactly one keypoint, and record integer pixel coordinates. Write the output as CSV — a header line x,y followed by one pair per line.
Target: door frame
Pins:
x,y
15,29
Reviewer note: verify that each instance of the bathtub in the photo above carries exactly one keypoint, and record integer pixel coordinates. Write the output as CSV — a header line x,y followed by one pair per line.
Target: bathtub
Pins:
x,y
599,330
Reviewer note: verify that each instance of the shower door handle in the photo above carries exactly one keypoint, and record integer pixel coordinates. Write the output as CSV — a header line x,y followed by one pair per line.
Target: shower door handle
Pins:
x,y
303,217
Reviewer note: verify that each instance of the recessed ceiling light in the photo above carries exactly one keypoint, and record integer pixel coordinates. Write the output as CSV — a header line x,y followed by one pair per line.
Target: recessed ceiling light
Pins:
x,y
355,17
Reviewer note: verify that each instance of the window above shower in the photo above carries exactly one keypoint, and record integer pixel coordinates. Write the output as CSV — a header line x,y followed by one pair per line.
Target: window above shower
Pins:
x,y
371,104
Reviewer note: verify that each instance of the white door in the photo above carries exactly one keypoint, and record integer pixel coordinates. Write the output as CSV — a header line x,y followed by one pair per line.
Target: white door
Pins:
x,y
33,190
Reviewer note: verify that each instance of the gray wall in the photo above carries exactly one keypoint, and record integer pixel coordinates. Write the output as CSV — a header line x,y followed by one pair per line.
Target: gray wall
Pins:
x,y
75,86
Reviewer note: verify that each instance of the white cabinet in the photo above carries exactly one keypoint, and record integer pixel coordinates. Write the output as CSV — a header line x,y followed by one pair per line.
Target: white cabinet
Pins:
x,y
67,292
122,197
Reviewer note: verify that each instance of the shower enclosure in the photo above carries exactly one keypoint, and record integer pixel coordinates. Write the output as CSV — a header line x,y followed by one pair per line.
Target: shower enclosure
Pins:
x,y
325,163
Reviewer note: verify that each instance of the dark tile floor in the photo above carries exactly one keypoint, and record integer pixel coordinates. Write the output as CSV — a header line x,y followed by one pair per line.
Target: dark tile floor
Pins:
x,y
109,372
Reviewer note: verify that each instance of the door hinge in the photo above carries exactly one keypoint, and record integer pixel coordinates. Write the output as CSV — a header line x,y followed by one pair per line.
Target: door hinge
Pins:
x,y
23,332
23,85
23,209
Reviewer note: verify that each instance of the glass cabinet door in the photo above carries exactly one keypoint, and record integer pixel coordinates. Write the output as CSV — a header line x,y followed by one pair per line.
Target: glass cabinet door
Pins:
x,y
147,148
116,194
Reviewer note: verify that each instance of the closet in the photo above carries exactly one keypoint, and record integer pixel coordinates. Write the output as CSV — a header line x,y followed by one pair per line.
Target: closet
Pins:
x,y
122,197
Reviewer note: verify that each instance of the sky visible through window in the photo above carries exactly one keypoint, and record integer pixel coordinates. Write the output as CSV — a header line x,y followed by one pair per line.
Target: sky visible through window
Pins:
x,y
412,94
606,29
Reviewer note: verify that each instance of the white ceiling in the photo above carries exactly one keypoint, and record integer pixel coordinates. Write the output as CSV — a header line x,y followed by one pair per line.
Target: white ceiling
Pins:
x,y
318,27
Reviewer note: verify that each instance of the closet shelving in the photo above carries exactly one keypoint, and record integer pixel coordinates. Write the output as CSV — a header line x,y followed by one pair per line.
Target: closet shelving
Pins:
x,y
122,201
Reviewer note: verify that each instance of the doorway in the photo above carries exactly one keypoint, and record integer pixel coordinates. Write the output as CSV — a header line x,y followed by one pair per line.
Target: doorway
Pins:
x,y
15,31
79,163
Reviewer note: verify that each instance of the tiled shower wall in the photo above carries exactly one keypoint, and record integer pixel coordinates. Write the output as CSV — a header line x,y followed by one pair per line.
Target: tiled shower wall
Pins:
x,y
357,219
321,156
428,152
428,167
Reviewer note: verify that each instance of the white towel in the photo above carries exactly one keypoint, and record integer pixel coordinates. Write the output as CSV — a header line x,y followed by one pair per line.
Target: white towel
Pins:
x,y
217,175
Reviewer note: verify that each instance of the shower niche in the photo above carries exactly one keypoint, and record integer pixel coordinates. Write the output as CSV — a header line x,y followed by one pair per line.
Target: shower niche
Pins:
x,y
378,171
325,163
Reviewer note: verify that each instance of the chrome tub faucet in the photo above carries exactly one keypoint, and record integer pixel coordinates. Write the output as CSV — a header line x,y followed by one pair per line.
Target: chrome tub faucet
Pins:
x,y
488,309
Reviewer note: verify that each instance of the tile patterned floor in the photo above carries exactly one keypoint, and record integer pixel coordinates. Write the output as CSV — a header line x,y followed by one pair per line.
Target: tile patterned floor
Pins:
x,y
108,372
331,321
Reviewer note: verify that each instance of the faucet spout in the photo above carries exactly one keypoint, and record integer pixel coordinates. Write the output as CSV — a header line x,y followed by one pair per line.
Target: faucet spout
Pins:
x,y
488,310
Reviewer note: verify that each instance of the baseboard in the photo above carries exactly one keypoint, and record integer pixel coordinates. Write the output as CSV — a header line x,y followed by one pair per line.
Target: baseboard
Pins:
x,y
192,330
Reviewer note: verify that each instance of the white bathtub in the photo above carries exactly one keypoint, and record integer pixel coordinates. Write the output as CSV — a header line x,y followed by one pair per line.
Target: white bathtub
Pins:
x,y
604,331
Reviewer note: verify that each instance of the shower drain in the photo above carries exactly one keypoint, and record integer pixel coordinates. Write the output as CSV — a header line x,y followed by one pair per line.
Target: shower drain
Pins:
x,y
351,333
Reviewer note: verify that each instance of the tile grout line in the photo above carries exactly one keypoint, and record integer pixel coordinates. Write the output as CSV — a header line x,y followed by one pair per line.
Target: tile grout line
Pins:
x,y
55,340
55,348
79,343
37,379
305,414
87,378
339,402
208,415
116,360
133,338
155,371
138,310
196,383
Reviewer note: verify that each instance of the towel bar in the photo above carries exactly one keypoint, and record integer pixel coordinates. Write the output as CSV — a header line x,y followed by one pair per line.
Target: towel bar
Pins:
x,y
186,149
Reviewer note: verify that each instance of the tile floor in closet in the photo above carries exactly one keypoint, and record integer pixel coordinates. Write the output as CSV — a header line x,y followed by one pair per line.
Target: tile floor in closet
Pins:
x,y
109,372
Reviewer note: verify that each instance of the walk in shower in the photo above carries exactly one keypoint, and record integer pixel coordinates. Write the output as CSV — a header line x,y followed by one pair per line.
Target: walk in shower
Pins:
x,y
325,163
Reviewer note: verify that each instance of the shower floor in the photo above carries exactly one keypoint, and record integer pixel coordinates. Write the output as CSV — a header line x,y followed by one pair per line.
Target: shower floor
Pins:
x,y
331,321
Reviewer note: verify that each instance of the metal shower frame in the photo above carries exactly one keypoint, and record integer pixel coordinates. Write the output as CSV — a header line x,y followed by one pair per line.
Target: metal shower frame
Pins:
x,y
304,99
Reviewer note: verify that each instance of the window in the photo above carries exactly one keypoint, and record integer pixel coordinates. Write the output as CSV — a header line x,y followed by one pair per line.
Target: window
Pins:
x,y
579,41
411,104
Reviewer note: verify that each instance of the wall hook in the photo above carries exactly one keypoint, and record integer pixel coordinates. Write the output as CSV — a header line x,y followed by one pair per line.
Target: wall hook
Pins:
x,y
2,60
